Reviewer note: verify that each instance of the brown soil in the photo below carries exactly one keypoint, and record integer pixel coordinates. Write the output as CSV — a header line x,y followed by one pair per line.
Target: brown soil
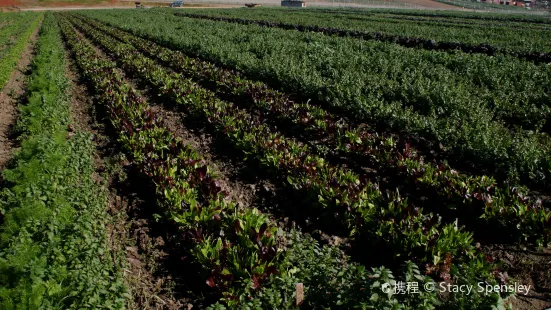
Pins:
x,y
9,5
10,96
527,267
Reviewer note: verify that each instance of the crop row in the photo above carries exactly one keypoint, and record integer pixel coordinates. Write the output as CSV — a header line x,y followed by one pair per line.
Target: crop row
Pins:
x,y
53,247
468,31
385,225
236,228
423,38
19,38
408,90
386,219
481,195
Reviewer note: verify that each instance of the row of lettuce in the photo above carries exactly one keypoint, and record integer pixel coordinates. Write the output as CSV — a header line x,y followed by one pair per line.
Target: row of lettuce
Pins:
x,y
235,247
468,103
15,33
528,43
53,247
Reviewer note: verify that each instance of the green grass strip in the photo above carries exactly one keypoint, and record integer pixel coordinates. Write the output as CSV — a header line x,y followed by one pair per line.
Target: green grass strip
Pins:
x,y
10,60
53,247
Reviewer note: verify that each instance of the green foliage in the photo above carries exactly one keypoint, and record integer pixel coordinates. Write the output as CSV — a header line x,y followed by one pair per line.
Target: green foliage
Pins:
x,y
331,280
13,26
53,248
365,208
501,205
457,15
231,243
482,5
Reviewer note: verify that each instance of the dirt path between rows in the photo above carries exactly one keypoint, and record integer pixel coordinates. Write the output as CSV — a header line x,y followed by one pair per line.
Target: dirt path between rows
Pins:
x,y
10,96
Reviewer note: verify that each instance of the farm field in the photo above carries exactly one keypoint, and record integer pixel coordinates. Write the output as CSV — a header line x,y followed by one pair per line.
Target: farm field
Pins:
x,y
275,159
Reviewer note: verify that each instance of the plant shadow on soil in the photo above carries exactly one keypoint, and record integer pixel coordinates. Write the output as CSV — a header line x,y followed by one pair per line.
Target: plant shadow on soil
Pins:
x,y
162,245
